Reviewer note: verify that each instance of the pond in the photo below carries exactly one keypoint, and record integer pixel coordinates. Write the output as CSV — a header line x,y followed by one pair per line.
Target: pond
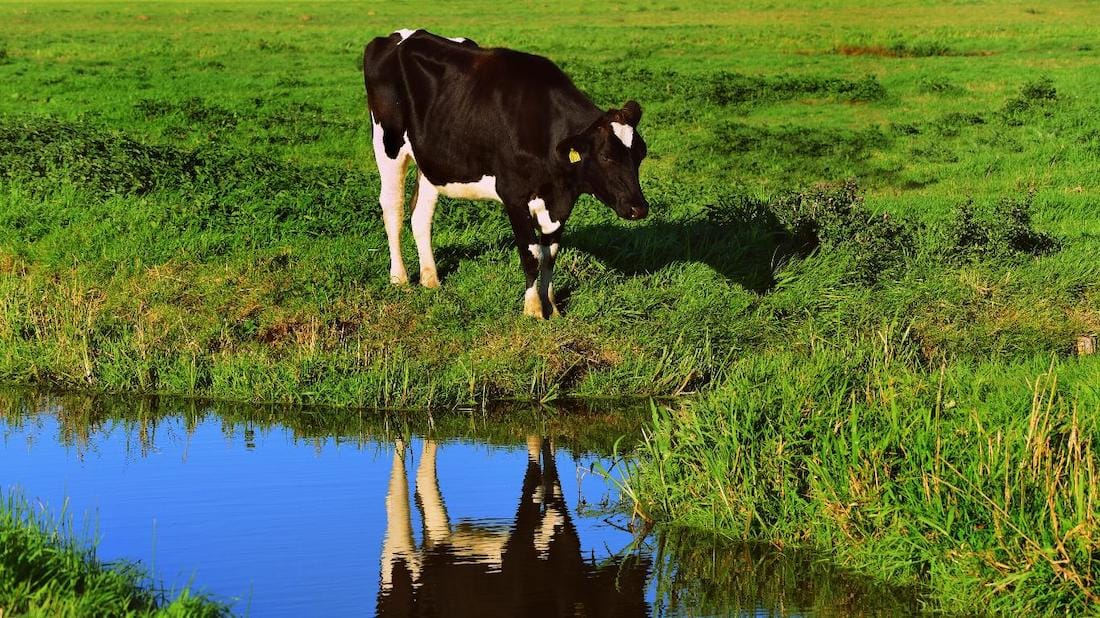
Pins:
x,y
290,512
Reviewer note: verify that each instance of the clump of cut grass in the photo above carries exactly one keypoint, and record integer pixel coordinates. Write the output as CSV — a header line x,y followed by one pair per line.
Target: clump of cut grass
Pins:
x,y
44,570
1035,96
939,85
834,219
902,49
952,123
1003,231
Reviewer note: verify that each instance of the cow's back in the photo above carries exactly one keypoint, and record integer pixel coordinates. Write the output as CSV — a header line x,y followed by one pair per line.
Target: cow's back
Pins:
x,y
463,108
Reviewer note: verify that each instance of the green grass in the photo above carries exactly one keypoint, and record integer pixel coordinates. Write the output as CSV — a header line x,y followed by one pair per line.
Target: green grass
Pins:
x,y
46,571
208,224
977,484
188,205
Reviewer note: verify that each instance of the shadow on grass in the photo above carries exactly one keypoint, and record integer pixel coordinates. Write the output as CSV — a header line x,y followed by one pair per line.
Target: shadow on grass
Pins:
x,y
747,248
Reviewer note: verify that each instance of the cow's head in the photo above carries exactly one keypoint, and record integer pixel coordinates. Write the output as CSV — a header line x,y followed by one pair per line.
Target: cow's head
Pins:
x,y
605,159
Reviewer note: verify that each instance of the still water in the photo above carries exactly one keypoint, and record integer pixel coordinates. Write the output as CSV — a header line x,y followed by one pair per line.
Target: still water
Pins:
x,y
292,512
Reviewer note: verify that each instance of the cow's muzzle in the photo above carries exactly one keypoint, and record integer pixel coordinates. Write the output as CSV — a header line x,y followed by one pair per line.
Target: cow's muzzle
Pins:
x,y
638,212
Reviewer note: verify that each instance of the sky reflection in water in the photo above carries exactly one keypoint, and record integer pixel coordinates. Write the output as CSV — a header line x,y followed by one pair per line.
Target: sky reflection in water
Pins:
x,y
291,525
286,512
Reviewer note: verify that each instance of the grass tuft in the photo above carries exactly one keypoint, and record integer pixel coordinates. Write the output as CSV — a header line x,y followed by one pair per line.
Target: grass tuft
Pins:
x,y
45,571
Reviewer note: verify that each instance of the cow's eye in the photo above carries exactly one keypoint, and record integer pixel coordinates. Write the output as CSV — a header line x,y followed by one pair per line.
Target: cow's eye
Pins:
x,y
605,157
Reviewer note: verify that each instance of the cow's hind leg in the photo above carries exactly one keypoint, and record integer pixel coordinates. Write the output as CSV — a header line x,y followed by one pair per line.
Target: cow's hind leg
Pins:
x,y
391,197
423,209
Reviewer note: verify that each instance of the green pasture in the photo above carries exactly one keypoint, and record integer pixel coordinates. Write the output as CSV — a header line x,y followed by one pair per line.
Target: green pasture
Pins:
x,y
861,212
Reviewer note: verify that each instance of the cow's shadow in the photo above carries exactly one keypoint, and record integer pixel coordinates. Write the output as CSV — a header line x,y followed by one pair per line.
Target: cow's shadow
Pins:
x,y
745,243
747,247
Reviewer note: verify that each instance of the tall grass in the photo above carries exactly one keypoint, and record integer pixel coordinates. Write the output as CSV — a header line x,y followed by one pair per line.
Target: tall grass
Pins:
x,y
978,482
45,570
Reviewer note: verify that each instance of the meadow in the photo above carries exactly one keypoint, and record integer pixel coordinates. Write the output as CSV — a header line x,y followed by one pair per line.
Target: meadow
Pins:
x,y
872,249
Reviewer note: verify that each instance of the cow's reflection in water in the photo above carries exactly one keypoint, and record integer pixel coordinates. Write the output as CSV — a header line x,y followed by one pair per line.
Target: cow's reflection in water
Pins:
x,y
535,568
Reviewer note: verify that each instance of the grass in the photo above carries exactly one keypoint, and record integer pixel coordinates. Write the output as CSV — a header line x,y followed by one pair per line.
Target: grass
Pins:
x,y
46,571
978,484
913,187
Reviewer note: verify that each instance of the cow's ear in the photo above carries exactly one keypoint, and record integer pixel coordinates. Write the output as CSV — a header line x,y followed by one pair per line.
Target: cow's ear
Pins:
x,y
632,113
573,150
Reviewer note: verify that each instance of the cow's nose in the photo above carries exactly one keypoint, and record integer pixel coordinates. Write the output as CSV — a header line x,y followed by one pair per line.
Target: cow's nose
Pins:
x,y
638,212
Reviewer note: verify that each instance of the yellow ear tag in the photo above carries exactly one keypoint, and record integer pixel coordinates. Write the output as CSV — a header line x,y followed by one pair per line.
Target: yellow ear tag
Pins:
x,y
574,156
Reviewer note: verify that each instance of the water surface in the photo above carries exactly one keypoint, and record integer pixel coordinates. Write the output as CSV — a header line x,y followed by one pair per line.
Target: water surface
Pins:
x,y
292,512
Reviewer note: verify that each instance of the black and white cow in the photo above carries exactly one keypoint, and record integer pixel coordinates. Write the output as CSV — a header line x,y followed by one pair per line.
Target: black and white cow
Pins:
x,y
494,124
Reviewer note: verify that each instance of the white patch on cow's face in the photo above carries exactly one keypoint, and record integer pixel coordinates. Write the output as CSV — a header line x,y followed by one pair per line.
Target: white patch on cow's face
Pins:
x,y
624,132
537,207
484,189
405,33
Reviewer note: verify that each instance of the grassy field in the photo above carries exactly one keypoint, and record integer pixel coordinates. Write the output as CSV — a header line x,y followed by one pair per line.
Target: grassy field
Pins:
x,y
861,214
46,571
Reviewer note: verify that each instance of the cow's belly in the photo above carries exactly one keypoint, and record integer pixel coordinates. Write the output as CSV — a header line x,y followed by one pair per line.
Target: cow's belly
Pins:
x,y
484,189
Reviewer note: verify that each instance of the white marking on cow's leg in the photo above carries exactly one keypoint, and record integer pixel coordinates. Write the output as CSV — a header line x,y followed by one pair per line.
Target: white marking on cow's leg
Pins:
x,y
437,526
624,132
551,522
405,33
547,256
398,542
536,252
423,209
532,304
537,207
391,197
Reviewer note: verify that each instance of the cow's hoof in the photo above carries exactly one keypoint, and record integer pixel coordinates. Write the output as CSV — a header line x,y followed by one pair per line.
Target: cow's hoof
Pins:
x,y
533,310
429,279
554,311
399,279
532,304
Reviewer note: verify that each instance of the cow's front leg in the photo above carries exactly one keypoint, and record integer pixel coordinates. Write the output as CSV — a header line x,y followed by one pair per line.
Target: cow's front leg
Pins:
x,y
529,252
549,245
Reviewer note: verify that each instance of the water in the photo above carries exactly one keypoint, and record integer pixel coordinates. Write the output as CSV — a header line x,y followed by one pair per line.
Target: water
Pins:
x,y
290,512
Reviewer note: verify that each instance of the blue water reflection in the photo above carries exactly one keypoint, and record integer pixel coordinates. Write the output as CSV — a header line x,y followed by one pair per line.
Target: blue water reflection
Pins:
x,y
289,512
288,525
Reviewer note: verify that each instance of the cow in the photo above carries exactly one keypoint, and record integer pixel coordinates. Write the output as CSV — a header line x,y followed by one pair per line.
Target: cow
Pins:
x,y
494,124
